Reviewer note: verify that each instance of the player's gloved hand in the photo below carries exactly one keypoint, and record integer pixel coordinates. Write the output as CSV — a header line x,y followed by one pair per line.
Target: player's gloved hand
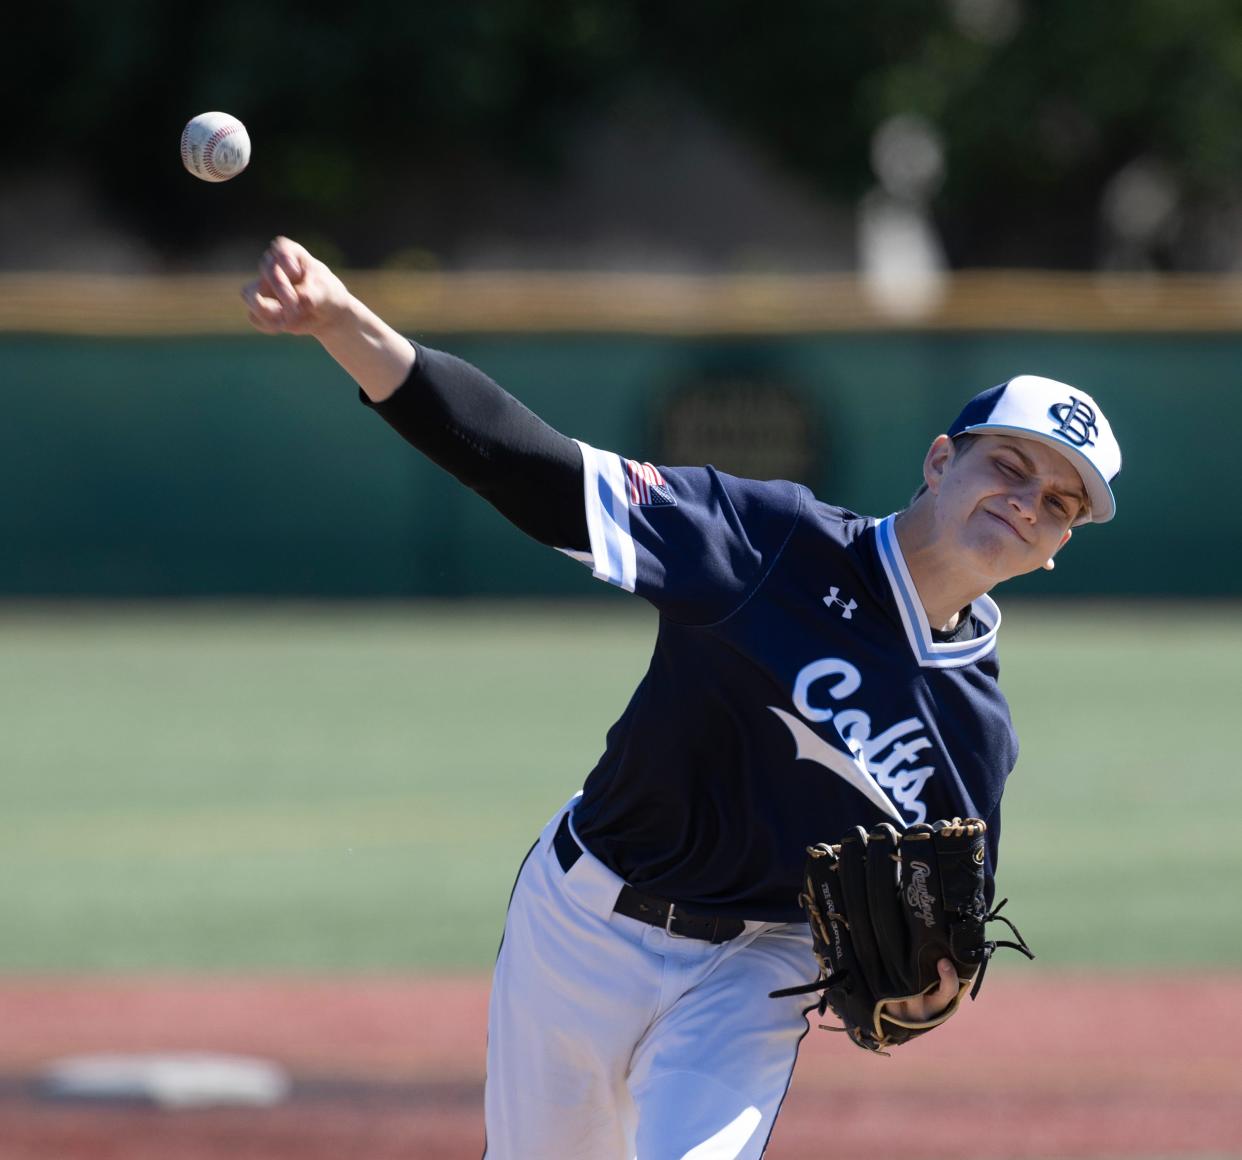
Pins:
x,y
295,293
898,921
927,1007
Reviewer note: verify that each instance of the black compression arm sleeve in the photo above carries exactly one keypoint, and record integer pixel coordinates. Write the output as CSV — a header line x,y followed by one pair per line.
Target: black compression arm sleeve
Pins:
x,y
459,418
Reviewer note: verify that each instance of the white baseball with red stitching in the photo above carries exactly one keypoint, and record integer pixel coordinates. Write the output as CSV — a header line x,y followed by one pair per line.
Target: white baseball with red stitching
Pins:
x,y
215,146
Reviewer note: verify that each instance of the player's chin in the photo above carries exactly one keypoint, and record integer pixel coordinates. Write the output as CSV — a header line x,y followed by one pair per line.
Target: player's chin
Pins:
x,y
1026,569
1033,559
1000,558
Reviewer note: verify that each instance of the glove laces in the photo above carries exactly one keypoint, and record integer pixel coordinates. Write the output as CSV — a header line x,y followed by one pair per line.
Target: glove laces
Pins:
x,y
991,946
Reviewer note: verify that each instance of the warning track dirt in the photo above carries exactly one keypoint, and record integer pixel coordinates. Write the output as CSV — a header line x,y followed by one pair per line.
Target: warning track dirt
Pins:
x,y
1043,1066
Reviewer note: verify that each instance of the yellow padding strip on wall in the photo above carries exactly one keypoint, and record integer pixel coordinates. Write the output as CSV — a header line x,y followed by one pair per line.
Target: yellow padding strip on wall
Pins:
x,y
103,305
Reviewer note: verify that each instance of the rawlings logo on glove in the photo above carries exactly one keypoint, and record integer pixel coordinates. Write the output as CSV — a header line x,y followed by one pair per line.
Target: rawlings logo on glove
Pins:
x,y
885,908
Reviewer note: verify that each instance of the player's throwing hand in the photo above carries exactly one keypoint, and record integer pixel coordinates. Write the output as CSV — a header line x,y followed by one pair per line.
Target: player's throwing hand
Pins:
x,y
295,292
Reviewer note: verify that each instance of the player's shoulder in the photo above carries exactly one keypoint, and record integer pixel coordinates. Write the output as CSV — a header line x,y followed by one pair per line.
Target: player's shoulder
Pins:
x,y
781,507
793,505
842,525
747,503
771,495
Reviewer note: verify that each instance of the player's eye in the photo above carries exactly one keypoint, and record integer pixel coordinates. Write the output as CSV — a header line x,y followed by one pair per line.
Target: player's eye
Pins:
x,y
1058,505
1008,469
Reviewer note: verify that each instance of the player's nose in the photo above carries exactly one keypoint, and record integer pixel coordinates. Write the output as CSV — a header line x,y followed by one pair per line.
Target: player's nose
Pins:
x,y
1025,502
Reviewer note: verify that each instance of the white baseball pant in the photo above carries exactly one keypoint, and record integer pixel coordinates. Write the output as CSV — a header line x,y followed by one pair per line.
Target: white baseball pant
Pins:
x,y
609,1039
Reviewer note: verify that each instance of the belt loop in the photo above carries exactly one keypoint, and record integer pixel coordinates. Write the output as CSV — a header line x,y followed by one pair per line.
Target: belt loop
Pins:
x,y
565,845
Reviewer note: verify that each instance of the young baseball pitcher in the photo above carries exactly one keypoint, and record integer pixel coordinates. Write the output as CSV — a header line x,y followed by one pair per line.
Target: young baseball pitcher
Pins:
x,y
816,675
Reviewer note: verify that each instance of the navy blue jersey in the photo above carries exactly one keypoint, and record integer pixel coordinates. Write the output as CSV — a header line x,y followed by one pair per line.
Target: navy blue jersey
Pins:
x,y
796,689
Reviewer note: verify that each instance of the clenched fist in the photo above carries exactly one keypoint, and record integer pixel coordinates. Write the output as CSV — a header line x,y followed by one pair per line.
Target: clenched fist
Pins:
x,y
295,292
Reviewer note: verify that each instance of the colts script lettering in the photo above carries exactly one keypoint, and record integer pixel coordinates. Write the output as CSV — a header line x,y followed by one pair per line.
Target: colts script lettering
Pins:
x,y
890,756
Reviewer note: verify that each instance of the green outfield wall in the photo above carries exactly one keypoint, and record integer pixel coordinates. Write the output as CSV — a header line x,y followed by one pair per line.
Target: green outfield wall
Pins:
x,y
245,466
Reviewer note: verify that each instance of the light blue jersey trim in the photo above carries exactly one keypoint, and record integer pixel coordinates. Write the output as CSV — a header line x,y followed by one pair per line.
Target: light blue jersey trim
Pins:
x,y
930,652
606,494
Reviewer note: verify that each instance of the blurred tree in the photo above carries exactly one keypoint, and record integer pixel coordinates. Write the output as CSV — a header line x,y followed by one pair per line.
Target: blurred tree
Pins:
x,y
1041,104
347,95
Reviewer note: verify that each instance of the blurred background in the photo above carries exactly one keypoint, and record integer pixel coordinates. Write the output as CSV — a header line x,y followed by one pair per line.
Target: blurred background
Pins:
x,y
703,137
284,706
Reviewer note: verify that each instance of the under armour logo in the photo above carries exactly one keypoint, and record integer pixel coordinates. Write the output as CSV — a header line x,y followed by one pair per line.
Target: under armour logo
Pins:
x,y
1075,422
847,609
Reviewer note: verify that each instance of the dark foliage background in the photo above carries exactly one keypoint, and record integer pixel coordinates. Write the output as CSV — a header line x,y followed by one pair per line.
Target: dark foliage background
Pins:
x,y
352,106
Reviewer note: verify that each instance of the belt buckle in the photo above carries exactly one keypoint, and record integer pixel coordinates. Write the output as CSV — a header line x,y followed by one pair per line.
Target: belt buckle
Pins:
x,y
668,924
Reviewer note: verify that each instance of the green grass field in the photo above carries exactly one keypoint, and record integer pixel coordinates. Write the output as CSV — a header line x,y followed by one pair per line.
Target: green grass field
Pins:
x,y
353,787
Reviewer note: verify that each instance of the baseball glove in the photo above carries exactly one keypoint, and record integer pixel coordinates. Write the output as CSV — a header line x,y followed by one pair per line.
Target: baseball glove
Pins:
x,y
885,907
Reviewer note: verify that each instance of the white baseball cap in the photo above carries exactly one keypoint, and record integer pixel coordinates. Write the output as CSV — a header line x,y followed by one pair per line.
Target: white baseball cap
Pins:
x,y
1065,418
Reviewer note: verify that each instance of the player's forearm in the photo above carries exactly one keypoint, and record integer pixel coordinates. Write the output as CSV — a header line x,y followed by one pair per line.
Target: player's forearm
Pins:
x,y
374,355
479,433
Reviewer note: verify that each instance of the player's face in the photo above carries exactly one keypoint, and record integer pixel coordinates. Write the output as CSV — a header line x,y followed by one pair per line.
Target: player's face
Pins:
x,y
1006,504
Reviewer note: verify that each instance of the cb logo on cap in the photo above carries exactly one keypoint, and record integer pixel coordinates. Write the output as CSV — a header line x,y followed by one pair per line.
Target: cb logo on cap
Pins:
x,y
1075,422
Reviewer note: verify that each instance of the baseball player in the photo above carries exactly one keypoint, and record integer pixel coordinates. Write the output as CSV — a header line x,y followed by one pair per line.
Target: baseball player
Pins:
x,y
813,670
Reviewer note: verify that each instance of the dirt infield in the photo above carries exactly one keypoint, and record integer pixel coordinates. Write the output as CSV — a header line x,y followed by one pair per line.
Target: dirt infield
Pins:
x,y
1043,1066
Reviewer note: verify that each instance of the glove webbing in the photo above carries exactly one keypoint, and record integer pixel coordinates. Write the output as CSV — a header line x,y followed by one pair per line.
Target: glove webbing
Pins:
x,y
989,949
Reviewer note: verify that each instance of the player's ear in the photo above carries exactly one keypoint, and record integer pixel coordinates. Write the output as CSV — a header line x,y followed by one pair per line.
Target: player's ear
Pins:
x,y
936,462
1050,563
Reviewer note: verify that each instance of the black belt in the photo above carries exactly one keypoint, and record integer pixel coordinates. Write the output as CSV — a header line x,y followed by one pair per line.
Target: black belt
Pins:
x,y
653,911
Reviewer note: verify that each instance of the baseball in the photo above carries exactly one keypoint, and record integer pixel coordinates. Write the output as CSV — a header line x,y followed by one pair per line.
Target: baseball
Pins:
x,y
215,146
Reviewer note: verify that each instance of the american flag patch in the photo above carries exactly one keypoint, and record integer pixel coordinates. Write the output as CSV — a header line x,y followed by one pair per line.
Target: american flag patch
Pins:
x,y
647,486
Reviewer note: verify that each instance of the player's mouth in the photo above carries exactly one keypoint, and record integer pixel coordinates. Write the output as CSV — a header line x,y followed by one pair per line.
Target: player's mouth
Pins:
x,y
1007,524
